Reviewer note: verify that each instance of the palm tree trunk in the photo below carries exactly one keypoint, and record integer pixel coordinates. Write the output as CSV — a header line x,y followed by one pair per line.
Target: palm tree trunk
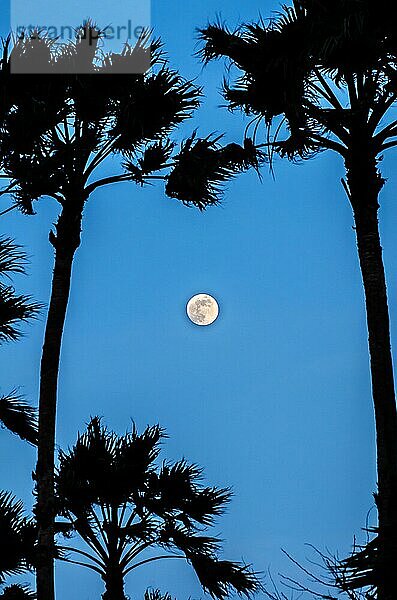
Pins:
x,y
114,584
365,184
66,242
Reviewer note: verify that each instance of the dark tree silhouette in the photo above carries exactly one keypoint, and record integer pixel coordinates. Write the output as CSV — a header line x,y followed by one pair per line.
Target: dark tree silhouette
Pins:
x,y
129,511
57,128
19,417
151,594
322,75
17,549
15,414
17,592
14,309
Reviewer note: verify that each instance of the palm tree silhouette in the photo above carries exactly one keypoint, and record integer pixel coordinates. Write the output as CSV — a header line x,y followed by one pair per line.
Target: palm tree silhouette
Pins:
x,y
131,512
17,533
17,548
19,417
58,126
14,309
322,75
17,592
15,414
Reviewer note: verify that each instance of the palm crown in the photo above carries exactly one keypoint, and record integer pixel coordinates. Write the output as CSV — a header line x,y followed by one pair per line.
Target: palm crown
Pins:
x,y
51,148
130,511
55,131
53,123
312,71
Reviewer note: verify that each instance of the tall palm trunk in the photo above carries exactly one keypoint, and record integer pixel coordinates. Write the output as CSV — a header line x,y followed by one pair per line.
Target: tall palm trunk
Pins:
x,y
365,184
114,584
114,580
65,242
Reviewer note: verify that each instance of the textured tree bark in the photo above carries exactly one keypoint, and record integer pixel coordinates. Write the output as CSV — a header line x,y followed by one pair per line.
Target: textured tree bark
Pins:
x,y
66,241
365,184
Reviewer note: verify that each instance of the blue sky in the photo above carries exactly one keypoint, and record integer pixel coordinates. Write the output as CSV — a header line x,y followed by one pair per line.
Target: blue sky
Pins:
x,y
274,398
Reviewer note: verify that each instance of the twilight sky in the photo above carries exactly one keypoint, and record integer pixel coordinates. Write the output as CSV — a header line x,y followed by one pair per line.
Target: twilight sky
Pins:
x,y
274,398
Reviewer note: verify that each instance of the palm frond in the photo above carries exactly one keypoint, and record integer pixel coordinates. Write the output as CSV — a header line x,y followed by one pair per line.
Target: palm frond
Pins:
x,y
154,594
85,469
144,530
19,417
176,487
182,538
133,459
32,53
80,55
359,570
17,535
278,64
203,166
153,158
220,42
206,504
12,258
17,592
36,173
104,468
154,106
221,578
14,310
146,53
272,58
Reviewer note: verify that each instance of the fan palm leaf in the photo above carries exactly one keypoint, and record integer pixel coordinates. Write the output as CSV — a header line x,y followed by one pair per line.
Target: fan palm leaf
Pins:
x,y
156,595
154,106
203,166
220,578
19,417
12,258
17,534
14,309
122,504
17,592
15,414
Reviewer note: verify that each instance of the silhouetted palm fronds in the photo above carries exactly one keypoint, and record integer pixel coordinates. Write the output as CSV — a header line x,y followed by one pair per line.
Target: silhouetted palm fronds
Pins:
x,y
131,512
14,308
17,592
299,66
19,417
154,106
359,570
157,595
222,578
15,414
203,166
18,537
12,258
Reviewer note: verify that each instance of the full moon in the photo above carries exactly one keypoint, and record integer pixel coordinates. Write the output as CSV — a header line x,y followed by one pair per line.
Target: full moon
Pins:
x,y
202,309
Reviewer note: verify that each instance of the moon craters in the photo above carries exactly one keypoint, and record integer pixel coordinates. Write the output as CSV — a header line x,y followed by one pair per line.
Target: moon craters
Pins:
x,y
202,309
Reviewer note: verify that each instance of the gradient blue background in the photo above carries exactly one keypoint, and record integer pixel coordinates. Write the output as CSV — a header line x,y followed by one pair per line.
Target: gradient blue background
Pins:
x,y
274,399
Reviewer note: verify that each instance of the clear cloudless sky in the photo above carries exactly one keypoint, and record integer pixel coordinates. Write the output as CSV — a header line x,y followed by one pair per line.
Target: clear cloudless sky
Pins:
x,y
274,398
